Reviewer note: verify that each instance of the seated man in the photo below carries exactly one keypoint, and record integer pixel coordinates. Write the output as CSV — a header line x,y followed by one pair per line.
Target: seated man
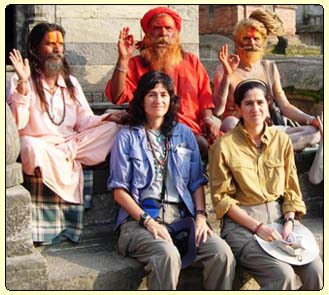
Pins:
x,y
160,50
157,178
250,36
59,132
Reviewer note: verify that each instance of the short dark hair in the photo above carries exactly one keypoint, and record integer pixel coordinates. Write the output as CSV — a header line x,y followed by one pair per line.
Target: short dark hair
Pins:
x,y
146,83
244,86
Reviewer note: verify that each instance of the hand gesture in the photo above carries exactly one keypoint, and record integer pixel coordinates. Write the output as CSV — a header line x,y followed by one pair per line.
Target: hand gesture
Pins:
x,y
202,229
230,62
22,67
125,44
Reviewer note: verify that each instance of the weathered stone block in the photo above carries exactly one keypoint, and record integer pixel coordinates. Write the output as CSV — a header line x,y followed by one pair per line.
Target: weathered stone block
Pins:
x,y
18,222
92,53
28,272
102,11
104,210
93,78
14,175
98,30
13,145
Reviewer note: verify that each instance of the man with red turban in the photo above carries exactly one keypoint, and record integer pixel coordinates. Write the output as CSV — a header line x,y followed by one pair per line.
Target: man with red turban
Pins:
x,y
161,50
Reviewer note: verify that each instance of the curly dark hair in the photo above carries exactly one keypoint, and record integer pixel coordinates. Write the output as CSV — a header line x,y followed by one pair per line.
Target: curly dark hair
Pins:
x,y
33,44
136,108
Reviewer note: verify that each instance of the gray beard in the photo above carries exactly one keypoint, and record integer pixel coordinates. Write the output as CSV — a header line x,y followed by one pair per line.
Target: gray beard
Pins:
x,y
53,68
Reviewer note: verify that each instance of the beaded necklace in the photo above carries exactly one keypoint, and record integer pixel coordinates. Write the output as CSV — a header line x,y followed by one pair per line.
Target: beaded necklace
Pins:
x,y
52,118
159,161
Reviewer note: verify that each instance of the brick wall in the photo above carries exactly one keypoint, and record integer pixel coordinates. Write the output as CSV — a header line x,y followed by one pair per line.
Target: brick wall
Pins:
x,y
220,19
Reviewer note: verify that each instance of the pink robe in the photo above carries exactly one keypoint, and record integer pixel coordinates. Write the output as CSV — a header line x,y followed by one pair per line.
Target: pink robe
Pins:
x,y
60,151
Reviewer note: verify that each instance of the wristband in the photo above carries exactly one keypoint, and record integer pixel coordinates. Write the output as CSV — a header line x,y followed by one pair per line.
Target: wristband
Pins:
x,y
201,212
144,217
21,81
289,219
122,70
258,227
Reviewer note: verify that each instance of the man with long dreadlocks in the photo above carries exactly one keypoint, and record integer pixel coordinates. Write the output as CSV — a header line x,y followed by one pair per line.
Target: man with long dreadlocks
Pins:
x,y
161,50
250,39
58,130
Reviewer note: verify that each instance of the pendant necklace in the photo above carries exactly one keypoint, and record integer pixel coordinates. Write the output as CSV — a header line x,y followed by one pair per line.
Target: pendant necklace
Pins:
x,y
159,161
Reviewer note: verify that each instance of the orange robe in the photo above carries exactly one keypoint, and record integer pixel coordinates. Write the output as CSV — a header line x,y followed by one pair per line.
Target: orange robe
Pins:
x,y
191,84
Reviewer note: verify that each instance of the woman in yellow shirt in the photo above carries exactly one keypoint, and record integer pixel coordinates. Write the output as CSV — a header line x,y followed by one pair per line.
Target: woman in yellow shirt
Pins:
x,y
253,183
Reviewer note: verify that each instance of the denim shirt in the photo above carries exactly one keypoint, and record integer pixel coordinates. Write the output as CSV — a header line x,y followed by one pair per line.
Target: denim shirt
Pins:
x,y
131,165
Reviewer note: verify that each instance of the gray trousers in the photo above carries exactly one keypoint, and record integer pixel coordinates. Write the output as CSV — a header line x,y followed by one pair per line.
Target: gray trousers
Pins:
x,y
270,273
163,264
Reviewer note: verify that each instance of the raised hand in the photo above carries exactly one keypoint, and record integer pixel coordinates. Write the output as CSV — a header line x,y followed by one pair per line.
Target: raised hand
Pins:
x,y
125,43
22,67
230,62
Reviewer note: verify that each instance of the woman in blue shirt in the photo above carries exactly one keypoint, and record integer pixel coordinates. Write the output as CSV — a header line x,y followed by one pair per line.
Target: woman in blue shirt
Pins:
x,y
156,161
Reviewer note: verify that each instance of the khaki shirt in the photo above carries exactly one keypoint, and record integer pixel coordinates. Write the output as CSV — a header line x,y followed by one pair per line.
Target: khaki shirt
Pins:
x,y
239,174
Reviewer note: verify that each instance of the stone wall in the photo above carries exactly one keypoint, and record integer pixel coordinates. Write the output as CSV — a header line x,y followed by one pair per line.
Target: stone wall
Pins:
x,y
220,19
92,33
309,24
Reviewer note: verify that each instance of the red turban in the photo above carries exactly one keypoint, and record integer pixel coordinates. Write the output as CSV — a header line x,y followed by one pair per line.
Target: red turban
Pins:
x,y
158,10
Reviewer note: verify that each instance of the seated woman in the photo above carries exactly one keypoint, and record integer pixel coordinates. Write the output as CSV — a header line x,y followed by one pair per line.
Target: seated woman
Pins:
x,y
250,39
156,160
58,131
253,183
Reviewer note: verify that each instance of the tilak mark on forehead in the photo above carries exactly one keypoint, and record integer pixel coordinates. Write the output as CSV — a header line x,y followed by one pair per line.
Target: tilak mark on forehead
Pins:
x,y
252,32
55,37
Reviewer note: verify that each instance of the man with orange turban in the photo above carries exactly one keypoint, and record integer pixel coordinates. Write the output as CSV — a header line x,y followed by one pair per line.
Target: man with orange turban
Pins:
x,y
161,50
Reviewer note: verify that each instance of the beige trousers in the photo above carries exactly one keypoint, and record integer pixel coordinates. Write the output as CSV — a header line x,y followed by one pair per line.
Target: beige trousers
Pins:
x,y
163,264
270,273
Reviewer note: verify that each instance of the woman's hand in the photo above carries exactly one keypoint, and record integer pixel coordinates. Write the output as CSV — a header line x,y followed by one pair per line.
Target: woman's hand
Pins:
x,y
268,234
159,231
230,62
125,44
202,229
287,230
22,67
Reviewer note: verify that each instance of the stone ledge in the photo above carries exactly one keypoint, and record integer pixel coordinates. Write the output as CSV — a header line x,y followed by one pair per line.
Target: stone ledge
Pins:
x,y
18,222
28,272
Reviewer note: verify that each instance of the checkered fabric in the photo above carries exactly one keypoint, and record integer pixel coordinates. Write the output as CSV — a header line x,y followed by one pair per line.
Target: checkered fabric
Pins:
x,y
53,219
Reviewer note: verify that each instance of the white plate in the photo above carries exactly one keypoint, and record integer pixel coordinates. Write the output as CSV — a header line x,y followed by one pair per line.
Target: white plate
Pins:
x,y
306,256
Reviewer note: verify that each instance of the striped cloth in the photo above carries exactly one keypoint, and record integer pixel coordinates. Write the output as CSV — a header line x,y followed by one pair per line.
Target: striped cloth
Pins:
x,y
53,219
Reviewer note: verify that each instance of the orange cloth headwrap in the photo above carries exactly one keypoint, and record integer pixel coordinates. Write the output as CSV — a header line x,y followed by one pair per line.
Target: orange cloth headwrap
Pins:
x,y
158,10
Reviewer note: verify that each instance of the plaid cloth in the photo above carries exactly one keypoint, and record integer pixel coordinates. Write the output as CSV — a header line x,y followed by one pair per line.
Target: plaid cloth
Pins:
x,y
53,219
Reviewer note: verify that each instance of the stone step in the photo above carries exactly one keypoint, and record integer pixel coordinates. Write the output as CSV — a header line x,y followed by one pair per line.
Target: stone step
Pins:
x,y
94,264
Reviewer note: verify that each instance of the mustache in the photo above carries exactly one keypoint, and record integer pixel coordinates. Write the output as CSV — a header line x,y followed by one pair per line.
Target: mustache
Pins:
x,y
52,55
162,40
251,48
